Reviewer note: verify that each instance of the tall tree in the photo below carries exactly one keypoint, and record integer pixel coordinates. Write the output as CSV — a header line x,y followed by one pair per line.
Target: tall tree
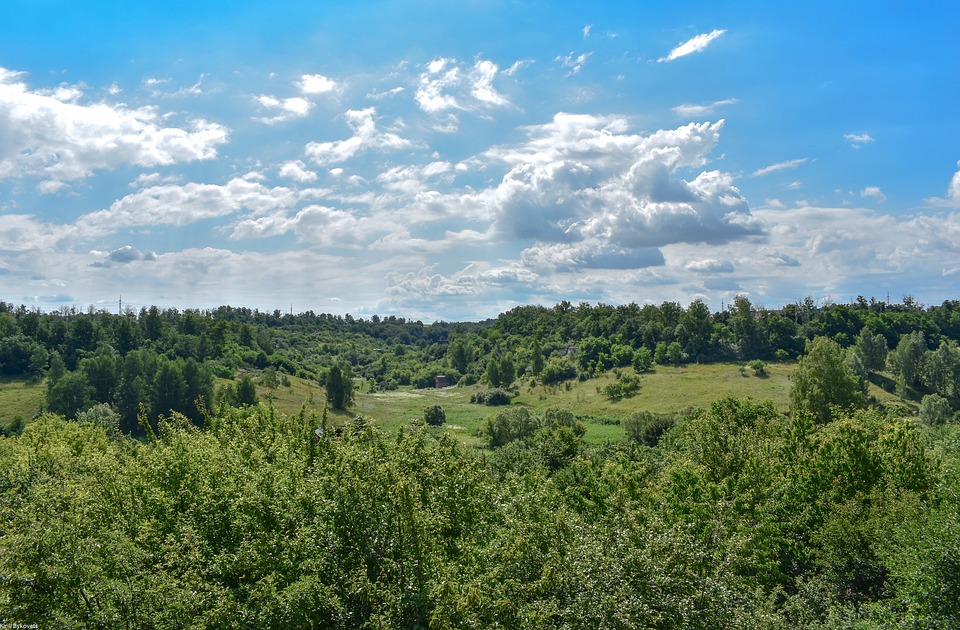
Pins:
x,y
339,388
823,380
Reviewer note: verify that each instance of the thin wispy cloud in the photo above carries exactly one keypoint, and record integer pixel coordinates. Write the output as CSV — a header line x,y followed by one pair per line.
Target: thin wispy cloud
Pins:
x,y
857,140
780,166
704,109
693,45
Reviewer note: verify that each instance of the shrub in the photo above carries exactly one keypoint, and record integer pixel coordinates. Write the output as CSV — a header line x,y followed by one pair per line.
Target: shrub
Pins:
x,y
492,397
645,427
627,386
434,415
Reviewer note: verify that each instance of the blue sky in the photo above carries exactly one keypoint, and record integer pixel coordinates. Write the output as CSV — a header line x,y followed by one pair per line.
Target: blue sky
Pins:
x,y
441,160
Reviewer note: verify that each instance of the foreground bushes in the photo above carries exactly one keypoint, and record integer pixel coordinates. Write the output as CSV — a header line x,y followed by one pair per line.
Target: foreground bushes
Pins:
x,y
739,517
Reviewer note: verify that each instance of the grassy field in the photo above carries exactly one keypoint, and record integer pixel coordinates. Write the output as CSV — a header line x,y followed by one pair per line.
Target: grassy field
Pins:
x,y
20,398
666,390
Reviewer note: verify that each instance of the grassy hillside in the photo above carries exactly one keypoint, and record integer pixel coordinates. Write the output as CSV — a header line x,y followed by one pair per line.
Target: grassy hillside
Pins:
x,y
20,398
667,390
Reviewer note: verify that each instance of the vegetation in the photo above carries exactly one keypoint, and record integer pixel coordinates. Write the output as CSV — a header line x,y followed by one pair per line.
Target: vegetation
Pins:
x,y
236,468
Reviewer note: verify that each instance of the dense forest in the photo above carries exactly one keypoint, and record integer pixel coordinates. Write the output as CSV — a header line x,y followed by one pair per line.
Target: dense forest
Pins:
x,y
153,489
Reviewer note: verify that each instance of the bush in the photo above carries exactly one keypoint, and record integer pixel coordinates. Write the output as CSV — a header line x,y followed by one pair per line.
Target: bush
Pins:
x,y
627,386
645,427
759,367
935,410
491,398
434,415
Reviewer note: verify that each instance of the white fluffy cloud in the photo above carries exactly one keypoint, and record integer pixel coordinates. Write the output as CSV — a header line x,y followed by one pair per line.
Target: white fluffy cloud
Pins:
x,y
693,45
57,137
366,136
446,87
179,205
316,84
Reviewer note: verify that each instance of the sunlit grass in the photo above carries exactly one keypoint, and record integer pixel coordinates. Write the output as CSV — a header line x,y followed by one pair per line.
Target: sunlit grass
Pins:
x,y
20,398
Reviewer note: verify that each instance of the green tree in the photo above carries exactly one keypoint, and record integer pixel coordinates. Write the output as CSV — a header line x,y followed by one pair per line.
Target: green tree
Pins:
x,y
339,388
872,349
536,357
823,379
642,359
246,393
907,359
935,410
434,415
694,330
69,395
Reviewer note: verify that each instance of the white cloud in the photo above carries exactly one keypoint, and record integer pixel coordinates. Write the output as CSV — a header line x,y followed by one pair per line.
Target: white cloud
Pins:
x,y
64,141
780,166
316,84
952,200
707,109
297,171
857,140
710,265
586,30
180,205
573,62
379,96
293,107
588,193
366,136
446,87
874,192
693,45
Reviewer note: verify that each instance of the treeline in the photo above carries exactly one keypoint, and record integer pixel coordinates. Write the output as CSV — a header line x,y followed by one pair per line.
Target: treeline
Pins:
x,y
728,517
166,359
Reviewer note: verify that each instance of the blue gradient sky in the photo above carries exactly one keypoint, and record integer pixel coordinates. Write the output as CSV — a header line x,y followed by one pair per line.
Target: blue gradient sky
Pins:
x,y
452,160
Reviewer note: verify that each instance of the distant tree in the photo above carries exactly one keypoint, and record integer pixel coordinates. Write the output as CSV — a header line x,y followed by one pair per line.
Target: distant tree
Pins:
x,y
675,353
434,415
646,427
246,391
694,330
872,349
536,357
642,359
557,370
823,380
69,395
508,371
907,359
493,372
935,410
339,388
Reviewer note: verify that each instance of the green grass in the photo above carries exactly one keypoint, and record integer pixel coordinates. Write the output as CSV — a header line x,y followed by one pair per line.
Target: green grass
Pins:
x,y
20,398
666,390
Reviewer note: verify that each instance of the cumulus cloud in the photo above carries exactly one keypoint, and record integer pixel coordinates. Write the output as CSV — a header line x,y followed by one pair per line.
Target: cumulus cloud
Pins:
x,y
952,200
447,86
296,170
693,45
122,256
316,84
857,140
873,192
780,166
287,108
180,205
366,136
705,109
710,265
67,140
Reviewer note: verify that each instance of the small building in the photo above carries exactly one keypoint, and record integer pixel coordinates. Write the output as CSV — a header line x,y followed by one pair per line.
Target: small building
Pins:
x,y
441,381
